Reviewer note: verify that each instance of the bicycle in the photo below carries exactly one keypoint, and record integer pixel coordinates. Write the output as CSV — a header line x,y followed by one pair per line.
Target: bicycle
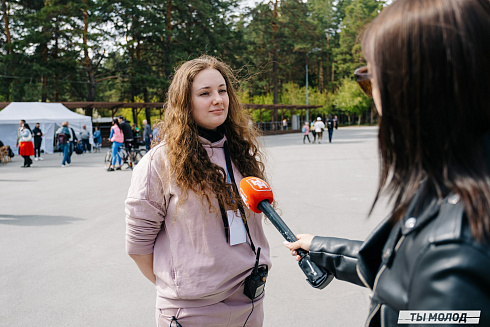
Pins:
x,y
136,154
130,159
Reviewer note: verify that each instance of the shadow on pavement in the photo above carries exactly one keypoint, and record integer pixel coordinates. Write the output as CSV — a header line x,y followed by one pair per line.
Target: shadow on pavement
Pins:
x,y
37,220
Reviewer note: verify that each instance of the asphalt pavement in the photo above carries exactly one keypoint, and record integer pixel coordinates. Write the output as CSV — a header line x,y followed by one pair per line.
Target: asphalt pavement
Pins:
x,y
62,249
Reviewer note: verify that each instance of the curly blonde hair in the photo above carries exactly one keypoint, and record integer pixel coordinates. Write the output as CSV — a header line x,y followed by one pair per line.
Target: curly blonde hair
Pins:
x,y
189,161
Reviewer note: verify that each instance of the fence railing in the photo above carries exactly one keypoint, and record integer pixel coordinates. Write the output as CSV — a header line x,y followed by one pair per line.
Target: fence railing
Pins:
x,y
271,126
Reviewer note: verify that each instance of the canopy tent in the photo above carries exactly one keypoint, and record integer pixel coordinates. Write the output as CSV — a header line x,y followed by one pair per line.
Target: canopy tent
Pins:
x,y
48,115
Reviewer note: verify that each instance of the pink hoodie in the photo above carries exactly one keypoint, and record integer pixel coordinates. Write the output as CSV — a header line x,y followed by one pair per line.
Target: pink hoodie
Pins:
x,y
117,135
193,263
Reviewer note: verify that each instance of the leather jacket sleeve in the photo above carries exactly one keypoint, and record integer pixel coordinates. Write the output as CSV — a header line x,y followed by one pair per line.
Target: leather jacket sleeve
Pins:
x,y
338,256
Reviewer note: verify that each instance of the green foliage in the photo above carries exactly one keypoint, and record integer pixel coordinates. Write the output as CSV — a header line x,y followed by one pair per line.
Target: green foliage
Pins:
x,y
351,99
358,13
131,48
291,94
296,95
261,115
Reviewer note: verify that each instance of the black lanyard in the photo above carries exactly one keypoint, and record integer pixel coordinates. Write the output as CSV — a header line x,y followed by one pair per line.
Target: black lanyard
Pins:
x,y
229,169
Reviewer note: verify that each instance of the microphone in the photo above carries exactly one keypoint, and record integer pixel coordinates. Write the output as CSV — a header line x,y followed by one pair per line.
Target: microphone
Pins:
x,y
257,196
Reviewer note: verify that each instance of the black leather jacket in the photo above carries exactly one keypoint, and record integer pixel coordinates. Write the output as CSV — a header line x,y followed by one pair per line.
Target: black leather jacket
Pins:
x,y
429,261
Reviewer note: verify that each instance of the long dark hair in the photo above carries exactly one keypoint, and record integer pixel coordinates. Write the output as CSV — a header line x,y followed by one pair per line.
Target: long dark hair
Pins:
x,y
26,125
431,62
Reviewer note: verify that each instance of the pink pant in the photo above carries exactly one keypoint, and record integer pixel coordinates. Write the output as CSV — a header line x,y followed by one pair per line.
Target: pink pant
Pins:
x,y
232,312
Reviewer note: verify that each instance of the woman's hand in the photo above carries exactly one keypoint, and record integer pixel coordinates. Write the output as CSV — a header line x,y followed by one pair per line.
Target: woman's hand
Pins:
x,y
303,242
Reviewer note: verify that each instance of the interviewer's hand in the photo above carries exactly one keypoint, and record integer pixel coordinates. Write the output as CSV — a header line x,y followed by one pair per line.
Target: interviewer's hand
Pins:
x,y
303,242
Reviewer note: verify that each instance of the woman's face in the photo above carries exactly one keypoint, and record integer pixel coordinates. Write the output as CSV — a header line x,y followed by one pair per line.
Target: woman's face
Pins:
x,y
376,93
209,99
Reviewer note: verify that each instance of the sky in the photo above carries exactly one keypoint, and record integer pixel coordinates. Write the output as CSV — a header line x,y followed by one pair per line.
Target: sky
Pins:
x,y
247,3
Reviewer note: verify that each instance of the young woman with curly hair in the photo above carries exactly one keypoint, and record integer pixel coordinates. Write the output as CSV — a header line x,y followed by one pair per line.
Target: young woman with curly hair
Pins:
x,y
187,229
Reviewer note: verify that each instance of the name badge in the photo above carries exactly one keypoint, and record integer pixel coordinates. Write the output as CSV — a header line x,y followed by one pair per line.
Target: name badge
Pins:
x,y
238,234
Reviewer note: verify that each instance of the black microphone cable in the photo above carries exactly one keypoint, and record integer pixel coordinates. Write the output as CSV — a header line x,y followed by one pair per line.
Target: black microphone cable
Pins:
x,y
249,313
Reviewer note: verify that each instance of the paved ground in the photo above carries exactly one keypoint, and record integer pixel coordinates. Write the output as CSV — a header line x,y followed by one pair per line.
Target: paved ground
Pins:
x,y
62,257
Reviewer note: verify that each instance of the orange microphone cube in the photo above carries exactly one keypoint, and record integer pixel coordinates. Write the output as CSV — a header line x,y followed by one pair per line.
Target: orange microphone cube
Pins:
x,y
254,190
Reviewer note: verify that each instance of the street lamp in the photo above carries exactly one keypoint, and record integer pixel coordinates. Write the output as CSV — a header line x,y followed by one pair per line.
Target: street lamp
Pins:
x,y
308,110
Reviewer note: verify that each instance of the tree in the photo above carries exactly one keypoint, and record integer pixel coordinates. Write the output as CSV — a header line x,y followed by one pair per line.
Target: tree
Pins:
x,y
322,17
351,99
278,38
358,14
156,36
43,54
127,50
93,53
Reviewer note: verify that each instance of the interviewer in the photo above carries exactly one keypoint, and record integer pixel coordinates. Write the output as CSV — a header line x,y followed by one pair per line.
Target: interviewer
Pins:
x,y
429,73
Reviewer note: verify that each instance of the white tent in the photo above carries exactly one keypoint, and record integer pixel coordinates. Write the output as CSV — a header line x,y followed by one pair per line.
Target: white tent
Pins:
x,y
48,115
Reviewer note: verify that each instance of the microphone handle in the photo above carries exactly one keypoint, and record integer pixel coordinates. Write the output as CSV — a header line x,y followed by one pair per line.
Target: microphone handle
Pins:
x,y
316,276
277,221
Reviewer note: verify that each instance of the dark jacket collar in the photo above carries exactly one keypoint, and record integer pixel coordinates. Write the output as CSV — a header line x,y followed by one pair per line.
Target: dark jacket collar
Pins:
x,y
211,135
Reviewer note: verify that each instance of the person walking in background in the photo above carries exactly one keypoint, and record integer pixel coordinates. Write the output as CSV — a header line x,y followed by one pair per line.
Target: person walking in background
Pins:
x,y
21,127
284,124
155,134
117,139
319,127
85,138
72,140
63,136
432,252
336,122
38,139
306,132
26,148
97,140
330,126
128,134
136,134
312,130
186,226
147,134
